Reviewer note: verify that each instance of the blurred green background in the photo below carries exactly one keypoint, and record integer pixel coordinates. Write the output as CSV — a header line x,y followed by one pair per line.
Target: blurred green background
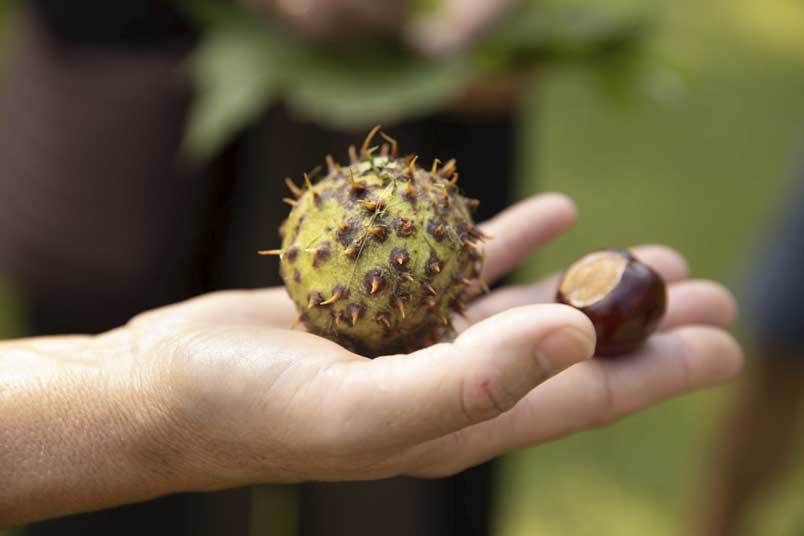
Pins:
x,y
699,168
701,173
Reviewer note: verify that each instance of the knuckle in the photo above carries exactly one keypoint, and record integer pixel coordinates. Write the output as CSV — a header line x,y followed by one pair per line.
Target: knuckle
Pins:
x,y
485,396
441,458
603,407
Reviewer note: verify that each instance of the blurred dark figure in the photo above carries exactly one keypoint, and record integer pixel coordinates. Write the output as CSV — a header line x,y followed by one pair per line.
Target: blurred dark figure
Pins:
x,y
759,441
98,222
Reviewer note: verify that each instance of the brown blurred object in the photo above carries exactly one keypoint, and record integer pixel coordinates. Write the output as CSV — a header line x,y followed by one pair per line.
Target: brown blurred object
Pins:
x,y
494,97
758,443
92,196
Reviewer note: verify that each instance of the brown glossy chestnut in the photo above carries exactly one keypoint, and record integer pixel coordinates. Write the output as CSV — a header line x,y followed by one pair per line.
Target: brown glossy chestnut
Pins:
x,y
624,298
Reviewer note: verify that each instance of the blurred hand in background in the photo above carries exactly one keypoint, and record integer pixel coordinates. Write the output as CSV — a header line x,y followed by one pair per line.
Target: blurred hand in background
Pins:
x,y
431,28
452,25
338,20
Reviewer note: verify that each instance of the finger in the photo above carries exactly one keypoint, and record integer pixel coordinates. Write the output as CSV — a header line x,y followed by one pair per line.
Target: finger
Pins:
x,y
553,214
592,394
689,302
517,231
269,307
456,24
669,263
666,261
699,302
406,399
533,221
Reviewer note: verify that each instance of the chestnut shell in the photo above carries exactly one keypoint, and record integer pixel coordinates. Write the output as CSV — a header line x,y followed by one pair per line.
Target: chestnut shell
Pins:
x,y
629,312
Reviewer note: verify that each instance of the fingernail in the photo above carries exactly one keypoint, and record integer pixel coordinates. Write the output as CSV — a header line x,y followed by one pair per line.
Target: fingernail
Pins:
x,y
563,348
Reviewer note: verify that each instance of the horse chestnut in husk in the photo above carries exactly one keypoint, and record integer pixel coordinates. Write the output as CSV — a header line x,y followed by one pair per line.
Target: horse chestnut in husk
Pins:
x,y
624,298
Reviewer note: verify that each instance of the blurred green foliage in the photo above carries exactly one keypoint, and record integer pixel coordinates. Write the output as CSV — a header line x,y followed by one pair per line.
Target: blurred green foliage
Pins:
x,y
702,173
245,63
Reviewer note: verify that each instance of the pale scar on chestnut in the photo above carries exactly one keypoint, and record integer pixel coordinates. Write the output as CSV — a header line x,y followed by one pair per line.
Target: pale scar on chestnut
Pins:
x,y
624,298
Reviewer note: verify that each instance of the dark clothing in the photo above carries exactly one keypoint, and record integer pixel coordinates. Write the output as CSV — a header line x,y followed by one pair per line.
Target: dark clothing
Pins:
x,y
774,286
121,23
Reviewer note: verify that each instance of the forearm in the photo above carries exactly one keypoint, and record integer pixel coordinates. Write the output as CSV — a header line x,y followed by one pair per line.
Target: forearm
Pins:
x,y
80,429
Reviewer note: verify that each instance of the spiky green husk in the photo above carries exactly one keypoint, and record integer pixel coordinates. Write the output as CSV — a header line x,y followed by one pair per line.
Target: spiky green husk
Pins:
x,y
379,254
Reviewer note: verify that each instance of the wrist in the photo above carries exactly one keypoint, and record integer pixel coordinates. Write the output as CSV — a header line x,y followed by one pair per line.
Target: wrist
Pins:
x,y
83,428
162,445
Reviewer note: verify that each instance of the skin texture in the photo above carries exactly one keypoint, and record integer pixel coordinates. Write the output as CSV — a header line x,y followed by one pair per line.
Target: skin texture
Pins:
x,y
379,254
451,27
216,391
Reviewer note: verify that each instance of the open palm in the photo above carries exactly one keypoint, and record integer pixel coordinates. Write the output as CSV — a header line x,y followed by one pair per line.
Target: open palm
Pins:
x,y
270,404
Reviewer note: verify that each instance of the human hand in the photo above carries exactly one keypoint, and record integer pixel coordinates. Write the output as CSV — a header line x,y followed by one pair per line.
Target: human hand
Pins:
x,y
453,25
335,20
247,400
217,392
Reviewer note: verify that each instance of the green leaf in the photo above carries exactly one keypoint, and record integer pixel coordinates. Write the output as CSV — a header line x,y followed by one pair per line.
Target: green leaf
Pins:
x,y
357,91
245,63
532,34
235,74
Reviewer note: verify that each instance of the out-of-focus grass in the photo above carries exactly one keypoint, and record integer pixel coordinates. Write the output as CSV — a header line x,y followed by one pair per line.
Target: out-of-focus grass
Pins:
x,y
701,174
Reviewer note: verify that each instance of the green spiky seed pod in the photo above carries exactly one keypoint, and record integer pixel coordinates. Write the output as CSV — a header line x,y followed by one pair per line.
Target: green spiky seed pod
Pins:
x,y
380,253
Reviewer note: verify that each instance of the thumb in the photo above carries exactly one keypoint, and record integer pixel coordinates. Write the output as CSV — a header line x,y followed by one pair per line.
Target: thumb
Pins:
x,y
412,398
